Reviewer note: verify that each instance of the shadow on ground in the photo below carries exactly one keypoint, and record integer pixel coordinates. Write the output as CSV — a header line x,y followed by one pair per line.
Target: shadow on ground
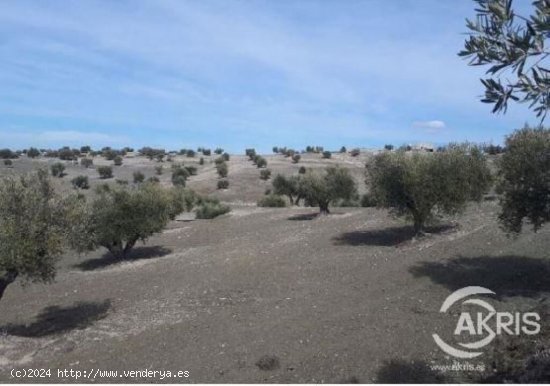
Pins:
x,y
136,254
386,237
399,371
55,320
303,217
506,275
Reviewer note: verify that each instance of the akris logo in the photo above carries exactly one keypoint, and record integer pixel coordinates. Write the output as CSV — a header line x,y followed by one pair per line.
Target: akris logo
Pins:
x,y
485,324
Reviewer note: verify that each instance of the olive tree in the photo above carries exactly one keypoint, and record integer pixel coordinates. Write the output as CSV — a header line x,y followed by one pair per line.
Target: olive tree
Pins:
x,y
34,224
424,185
33,152
222,169
513,46
524,179
320,189
179,176
120,216
287,187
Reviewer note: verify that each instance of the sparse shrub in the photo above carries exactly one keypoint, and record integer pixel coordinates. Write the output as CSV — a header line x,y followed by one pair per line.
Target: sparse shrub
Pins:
x,y
153,179
327,154
218,150
80,182
68,154
226,156
261,162
272,201
219,160
302,170
33,152
355,152
121,216
206,152
48,153
265,174
179,177
223,184
139,177
287,187
343,149
524,180
151,153
201,161
184,199
251,153
8,162
7,154
424,185
192,170
86,162
322,189
290,153
160,157
109,154
159,169
222,169
117,160
34,228
57,169
121,182
296,158
105,172
190,153
388,147
85,149
210,208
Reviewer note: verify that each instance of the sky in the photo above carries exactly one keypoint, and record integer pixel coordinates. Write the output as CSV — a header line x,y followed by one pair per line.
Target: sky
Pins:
x,y
238,74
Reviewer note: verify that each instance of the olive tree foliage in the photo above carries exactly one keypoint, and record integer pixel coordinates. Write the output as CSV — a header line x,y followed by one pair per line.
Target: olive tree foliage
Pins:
x,y
514,47
287,186
524,179
422,186
34,227
320,189
120,216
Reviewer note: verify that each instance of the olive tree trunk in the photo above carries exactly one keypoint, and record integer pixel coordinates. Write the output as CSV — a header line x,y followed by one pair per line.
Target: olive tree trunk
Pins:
x,y
119,250
8,278
323,208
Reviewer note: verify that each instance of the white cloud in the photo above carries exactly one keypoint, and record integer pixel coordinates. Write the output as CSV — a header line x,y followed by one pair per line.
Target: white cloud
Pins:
x,y
429,126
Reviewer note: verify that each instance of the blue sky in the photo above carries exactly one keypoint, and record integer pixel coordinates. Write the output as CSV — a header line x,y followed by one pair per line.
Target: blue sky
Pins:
x,y
237,74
